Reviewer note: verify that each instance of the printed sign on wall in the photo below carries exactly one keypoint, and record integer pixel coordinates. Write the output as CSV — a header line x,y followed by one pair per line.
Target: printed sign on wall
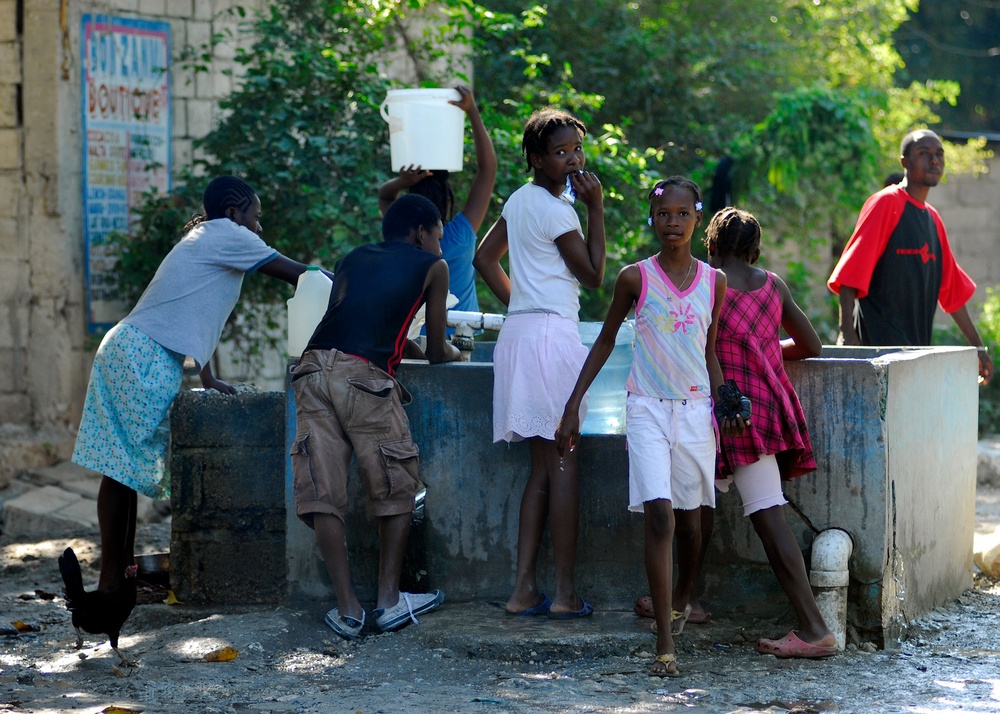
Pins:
x,y
125,70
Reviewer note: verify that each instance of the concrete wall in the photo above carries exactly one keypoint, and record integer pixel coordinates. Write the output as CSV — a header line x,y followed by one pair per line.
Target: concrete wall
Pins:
x,y
895,440
971,213
228,527
45,351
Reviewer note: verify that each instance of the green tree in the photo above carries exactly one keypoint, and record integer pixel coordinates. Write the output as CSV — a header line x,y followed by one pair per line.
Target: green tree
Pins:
x,y
801,94
957,41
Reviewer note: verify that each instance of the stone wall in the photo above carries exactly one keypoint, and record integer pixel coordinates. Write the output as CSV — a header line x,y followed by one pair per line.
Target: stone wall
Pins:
x,y
228,530
885,426
971,213
45,350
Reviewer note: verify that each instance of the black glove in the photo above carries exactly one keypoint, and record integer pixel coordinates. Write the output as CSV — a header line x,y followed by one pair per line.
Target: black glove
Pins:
x,y
731,402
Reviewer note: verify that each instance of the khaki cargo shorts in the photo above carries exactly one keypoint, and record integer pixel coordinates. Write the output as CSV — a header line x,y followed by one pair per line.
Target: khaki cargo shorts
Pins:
x,y
343,406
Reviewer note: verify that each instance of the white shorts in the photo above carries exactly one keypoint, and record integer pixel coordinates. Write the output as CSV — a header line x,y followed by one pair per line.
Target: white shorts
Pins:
x,y
759,485
671,451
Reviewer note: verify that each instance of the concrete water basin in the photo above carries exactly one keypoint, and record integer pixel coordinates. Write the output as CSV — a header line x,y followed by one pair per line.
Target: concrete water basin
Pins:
x,y
895,438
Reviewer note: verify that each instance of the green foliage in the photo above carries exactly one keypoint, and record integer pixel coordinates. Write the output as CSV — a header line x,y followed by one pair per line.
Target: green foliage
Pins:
x,y
817,137
303,128
989,396
800,92
948,40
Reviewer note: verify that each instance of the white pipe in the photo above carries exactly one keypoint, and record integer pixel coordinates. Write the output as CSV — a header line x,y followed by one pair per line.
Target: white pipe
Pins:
x,y
475,320
466,323
830,576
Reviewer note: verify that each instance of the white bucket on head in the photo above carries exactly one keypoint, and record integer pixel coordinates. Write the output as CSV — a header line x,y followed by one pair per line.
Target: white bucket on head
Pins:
x,y
424,129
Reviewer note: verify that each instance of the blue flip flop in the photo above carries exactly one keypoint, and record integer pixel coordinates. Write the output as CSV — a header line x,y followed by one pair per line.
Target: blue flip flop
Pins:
x,y
541,608
586,611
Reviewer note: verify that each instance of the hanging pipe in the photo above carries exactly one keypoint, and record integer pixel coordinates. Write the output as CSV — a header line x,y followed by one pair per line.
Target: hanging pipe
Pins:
x,y
829,577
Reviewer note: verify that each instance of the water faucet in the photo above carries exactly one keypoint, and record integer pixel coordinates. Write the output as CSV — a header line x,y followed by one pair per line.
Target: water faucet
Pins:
x,y
466,323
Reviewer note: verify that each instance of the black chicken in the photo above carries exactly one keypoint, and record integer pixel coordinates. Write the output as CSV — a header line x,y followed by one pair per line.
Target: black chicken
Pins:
x,y
97,612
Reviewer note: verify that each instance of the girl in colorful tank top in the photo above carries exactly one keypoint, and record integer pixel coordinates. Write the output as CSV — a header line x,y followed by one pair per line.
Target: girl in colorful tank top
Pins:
x,y
669,421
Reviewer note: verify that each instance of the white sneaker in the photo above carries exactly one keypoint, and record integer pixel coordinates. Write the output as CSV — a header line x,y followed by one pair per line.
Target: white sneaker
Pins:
x,y
406,610
347,627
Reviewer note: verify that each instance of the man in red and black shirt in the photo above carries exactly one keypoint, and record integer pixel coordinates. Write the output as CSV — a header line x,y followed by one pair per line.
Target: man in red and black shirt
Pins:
x,y
897,266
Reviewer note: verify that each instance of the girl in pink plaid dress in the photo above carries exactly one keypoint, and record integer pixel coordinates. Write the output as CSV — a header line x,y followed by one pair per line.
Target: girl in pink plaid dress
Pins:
x,y
776,445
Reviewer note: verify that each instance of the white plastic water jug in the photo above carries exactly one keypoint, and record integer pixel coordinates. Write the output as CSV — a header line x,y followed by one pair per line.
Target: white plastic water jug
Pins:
x,y
307,307
424,129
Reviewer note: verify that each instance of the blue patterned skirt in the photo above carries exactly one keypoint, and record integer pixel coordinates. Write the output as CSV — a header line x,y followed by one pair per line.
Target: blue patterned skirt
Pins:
x,y
125,430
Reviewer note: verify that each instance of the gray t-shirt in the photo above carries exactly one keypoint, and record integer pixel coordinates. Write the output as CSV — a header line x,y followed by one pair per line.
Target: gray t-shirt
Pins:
x,y
186,304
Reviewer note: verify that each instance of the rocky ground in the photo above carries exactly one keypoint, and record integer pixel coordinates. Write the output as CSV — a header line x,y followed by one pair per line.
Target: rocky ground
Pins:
x,y
465,657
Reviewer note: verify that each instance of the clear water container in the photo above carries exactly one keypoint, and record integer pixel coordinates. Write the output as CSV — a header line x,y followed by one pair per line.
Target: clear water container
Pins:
x,y
306,308
606,396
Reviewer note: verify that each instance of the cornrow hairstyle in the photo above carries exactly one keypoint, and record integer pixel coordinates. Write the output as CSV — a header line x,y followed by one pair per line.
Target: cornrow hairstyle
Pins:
x,y
406,213
734,232
912,138
678,181
222,193
227,192
541,125
437,189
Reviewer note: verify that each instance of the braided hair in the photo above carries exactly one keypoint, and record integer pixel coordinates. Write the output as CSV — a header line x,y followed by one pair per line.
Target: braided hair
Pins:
x,y
222,193
733,232
541,125
437,189
679,182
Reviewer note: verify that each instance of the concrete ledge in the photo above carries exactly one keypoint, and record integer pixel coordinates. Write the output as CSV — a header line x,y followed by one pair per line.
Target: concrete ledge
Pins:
x,y
22,447
253,419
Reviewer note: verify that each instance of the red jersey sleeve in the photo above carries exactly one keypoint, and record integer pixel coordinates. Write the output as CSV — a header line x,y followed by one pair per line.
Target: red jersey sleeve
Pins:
x,y
956,285
879,217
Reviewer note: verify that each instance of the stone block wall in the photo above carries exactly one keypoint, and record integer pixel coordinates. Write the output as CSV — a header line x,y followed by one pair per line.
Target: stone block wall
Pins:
x,y
45,350
227,472
971,213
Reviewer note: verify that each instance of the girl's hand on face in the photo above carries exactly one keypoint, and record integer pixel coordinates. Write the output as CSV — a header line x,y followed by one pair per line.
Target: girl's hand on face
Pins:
x,y
588,188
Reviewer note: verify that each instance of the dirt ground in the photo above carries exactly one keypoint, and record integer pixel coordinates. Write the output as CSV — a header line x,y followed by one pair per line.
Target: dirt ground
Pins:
x,y
465,657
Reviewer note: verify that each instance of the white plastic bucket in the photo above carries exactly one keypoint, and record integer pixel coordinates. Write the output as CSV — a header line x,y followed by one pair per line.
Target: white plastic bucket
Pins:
x,y
306,308
424,129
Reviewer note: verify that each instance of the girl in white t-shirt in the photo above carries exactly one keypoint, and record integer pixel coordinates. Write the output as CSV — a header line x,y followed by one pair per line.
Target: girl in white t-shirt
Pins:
x,y
538,353
124,430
